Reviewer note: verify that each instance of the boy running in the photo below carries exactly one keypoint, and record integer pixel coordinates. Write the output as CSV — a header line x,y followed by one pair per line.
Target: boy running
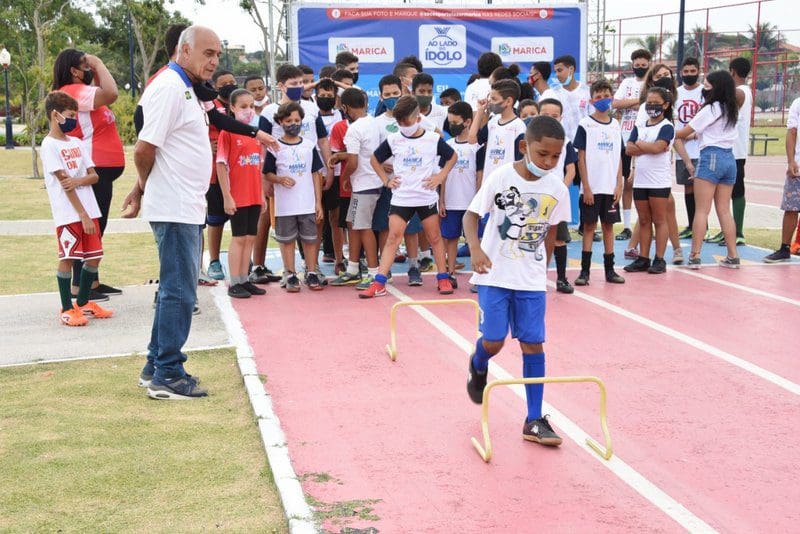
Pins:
x,y
524,202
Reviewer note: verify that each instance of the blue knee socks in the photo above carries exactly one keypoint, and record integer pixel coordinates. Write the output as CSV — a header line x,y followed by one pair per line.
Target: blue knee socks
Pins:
x,y
533,367
480,361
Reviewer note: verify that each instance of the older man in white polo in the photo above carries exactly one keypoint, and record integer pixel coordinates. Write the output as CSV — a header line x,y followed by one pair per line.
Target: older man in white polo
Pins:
x,y
173,162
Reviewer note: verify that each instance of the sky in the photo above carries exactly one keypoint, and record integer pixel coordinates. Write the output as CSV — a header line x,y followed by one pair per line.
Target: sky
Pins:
x,y
235,25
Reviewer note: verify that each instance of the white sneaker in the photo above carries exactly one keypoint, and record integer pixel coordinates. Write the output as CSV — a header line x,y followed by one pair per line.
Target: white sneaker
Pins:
x,y
677,256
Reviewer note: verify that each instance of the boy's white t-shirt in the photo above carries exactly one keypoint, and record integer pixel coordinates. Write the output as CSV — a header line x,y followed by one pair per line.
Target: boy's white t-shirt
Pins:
x,y
388,125
297,161
577,105
603,144
628,88
461,184
362,138
686,107
654,171
313,125
437,115
521,213
793,122
415,159
743,123
712,128
477,90
501,142
330,120
71,157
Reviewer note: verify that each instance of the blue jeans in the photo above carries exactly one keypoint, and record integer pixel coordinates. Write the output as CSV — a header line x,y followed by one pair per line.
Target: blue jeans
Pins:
x,y
179,255
716,165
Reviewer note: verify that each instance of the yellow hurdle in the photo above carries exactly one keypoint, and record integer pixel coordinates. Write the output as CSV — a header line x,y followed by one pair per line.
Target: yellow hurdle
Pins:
x,y
392,347
485,450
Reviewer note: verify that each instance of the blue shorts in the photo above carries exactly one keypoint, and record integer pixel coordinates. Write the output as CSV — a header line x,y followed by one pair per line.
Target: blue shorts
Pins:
x,y
380,218
521,311
414,225
716,165
452,224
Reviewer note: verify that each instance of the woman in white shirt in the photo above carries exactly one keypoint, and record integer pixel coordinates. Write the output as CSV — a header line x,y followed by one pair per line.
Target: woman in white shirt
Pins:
x,y
715,175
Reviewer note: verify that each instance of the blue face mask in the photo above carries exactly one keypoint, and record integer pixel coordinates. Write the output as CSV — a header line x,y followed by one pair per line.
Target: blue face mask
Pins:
x,y
602,105
294,93
68,125
390,102
527,120
532,167
567,81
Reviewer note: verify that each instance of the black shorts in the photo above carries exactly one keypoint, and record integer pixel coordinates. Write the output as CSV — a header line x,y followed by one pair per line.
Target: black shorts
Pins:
x,y
407,212
562,232
215,206
604,208
738,187
682,173
344,207
245,221
626,163
645,193
330,198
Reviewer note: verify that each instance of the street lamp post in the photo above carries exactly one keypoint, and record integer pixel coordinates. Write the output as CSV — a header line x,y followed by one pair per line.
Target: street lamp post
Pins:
x,y
5,61
227,57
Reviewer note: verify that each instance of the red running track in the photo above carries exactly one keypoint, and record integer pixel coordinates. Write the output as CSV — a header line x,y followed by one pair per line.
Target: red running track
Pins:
x,y
715,438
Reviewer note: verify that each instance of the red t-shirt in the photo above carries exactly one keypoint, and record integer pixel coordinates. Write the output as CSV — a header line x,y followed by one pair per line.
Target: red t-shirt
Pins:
x,y
242,155
213,135
97,127
337,145
159,71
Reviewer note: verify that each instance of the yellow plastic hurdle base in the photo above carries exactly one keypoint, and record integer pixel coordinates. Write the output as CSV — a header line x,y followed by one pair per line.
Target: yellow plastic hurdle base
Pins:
x,y
391,348
485,450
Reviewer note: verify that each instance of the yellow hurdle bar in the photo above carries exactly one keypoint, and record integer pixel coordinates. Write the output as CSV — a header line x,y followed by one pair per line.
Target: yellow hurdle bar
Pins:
x,y
485,450
392,347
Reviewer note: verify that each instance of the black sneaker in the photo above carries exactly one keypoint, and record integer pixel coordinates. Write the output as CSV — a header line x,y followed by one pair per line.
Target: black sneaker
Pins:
x,y
540,431
253,289
146,376
108,290
292,283
259,275
624,235
95,296
426,264
659,266
238,291
185,388
453,281
414,276
583,279
312,281
613,278
639,265
782,254
476,383
563,286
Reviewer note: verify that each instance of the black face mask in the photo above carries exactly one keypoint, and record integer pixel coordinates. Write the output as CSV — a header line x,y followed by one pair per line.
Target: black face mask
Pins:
x,y
88,76
346,116
664,83
639,72
457,129
355,77
690,79
705,93
326,103
226,90
205,92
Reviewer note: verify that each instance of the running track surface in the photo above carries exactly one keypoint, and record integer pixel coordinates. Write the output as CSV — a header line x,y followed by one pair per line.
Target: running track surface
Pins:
x,y
714,437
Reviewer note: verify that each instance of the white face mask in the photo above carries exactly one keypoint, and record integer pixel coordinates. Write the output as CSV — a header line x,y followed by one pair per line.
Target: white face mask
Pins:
x,y
409,131
263,102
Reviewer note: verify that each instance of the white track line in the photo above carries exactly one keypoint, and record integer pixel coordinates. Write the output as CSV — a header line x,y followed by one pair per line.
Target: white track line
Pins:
x,y
752,290
616,465
752,368
295,507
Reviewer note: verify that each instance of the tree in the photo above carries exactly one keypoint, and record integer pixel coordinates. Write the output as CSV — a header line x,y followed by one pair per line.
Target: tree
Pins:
x,y
273,48
652,43
767,35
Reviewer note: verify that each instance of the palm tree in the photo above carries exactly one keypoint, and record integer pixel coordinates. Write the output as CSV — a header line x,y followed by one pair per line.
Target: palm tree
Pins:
x,y
652,43
768,35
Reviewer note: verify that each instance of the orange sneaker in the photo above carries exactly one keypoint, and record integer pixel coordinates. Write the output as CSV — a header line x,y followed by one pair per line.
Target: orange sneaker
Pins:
x,y
375,289
445,286
94,310
73,317
795,248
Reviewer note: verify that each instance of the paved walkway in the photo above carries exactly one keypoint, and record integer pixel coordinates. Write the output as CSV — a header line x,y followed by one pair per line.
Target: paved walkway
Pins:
x,y
45,227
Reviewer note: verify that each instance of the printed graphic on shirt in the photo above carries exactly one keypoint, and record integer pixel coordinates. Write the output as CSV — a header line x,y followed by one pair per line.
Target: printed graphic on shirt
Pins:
x,y
526,222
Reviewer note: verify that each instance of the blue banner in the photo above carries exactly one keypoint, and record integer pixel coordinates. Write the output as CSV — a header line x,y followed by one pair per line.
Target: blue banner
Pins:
x,y
447,41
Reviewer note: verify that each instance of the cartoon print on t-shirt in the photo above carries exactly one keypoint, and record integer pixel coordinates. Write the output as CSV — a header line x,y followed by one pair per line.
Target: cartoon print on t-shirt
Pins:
x,y
525,225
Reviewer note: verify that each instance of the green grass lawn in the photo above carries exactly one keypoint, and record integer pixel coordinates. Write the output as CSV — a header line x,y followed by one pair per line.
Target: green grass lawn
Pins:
x,y
84,450
774,148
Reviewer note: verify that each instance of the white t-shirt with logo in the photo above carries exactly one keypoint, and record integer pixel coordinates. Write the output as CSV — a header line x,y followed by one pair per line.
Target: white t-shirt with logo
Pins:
x,y
628,88
176,124
437,115
793,121
71,157
743,123
577,105
415,159
313,125
603,145
462,182
501,141
388,125
521,213
654,171
479,89
712,128
298,161
687,106
362,138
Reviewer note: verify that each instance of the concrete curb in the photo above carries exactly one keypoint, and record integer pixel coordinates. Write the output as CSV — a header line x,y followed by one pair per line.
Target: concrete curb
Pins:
x,y
297,511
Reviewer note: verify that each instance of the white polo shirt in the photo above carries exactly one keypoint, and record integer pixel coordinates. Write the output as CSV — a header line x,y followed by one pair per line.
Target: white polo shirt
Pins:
x,y
176,124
